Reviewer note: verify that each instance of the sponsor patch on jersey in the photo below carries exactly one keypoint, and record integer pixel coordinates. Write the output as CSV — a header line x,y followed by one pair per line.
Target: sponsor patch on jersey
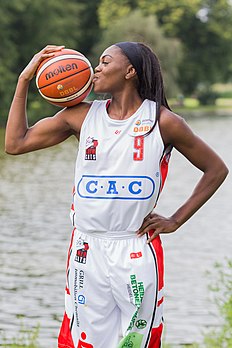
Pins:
x,y
116,187
91,149
142,124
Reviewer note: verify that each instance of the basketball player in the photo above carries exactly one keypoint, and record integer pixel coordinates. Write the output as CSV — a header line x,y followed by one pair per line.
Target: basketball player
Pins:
x,y
114,290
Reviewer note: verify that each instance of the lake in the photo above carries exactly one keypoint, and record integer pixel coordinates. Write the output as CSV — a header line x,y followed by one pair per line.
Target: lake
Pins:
x,y
35,196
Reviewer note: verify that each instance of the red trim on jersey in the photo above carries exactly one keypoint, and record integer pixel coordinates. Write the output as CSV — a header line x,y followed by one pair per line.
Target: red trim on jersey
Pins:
x,y
164,168
108,103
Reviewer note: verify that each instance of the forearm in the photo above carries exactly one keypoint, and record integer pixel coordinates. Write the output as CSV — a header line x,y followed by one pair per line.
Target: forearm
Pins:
x,y
17,124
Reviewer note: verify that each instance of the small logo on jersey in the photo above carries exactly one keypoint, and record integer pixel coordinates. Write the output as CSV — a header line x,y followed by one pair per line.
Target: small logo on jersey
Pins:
x,y
136,255
91,149
82,249
141,324
117,132
142,126
140,130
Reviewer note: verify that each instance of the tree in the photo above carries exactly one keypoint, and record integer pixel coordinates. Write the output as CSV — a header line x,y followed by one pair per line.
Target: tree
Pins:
x,y
136,27
204,28
27,26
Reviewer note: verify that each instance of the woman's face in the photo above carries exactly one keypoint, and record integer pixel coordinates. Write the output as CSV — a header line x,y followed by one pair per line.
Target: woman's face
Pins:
x,y
110,73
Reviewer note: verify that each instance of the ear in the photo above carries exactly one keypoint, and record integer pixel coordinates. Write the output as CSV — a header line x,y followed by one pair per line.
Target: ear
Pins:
x,y
131,72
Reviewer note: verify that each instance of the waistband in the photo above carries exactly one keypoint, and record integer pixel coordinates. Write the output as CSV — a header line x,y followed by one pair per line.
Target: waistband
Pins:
x,y
110,234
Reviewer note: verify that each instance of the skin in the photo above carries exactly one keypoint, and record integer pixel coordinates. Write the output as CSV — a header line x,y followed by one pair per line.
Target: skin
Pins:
x,y
115,75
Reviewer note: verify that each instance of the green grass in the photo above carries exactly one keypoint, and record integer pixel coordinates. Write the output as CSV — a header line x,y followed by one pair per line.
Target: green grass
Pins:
x,y
193,104
222,288
25,338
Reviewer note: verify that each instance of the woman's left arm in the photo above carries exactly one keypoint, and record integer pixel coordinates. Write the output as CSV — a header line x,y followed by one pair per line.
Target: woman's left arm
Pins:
x,y
175,131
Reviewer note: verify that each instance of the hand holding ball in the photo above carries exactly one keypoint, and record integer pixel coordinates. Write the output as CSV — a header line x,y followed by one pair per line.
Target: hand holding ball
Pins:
x,y
65,79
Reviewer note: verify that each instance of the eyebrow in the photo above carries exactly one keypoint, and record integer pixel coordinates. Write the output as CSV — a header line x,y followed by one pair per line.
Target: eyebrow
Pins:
x,y
106,55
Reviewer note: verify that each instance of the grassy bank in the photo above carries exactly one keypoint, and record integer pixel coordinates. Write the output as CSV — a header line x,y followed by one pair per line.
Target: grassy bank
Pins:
x,y
190,107
25,338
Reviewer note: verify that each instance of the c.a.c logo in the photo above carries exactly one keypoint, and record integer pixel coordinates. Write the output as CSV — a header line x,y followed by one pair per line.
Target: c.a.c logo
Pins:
x,y
116,187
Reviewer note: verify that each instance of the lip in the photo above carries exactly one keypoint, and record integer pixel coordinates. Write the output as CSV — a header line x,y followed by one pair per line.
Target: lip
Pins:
x,y
95,78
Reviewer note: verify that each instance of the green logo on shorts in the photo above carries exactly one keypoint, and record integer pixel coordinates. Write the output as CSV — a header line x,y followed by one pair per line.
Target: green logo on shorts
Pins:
x,y
133,340
141,324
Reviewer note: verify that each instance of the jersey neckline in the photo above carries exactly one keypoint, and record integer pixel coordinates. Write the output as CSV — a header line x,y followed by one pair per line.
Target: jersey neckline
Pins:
x,y
134,115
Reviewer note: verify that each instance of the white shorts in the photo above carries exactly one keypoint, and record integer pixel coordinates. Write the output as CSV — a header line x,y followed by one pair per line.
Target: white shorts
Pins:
x,y
114,293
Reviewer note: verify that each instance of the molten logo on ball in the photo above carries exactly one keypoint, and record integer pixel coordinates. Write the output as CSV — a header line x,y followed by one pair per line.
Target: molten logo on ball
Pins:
x,y
65,79
61,69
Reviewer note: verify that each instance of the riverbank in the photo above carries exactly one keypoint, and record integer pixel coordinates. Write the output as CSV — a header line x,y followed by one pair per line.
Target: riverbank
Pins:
x,y
190,108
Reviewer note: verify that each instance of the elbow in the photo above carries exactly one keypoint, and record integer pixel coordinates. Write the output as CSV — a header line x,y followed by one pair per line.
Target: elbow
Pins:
x,y
222,173
11,149
11,152
226,172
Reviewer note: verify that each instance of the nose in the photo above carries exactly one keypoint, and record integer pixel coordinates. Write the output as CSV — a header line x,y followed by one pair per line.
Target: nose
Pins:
x,y
97,69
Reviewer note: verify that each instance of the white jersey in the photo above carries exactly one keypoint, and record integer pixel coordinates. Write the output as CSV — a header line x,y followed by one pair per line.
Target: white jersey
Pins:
x,y
119,171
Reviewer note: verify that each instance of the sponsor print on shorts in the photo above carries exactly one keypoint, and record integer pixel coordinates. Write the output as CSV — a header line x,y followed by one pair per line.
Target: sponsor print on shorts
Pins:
x,y
136,292
141,324
116,187
132,340
79,298
82,343
136,255
82,250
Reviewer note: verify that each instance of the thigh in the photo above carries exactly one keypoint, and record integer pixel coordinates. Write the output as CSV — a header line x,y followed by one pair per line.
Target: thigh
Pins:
x,y
90,307
137,284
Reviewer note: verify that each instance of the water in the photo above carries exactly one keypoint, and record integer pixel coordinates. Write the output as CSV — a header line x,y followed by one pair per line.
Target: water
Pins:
x,y
35,196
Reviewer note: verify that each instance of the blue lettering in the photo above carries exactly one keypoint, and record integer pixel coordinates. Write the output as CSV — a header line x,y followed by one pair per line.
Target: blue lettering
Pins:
x,y
112,187
131,187
88,188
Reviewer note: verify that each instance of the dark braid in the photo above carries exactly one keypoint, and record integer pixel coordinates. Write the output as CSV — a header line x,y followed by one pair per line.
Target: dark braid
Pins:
x,y
151,84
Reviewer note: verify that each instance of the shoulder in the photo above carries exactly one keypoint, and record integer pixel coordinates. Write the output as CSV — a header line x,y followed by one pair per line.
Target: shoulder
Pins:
x,y
173,127
74,116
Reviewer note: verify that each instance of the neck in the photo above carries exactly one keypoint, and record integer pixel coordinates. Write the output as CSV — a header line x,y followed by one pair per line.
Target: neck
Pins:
x,y
124,106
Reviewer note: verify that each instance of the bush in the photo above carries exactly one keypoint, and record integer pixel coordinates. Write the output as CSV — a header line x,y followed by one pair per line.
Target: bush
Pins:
x,y
206,95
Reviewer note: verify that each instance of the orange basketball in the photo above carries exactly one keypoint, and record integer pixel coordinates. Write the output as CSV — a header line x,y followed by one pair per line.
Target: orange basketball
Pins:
x,y
65,79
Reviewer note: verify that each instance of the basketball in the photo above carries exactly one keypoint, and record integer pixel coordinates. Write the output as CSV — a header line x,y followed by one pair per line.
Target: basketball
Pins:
x,y
65,79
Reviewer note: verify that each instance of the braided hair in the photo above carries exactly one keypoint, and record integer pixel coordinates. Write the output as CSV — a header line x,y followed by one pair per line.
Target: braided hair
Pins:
x,y
150,81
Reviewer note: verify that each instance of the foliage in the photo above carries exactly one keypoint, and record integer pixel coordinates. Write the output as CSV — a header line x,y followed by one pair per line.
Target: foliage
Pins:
x,y
147,31
204,28
27,26
206,95
26,338
223,288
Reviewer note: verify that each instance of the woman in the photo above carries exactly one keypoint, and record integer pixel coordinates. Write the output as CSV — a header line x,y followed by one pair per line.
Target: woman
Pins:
x,y
114,291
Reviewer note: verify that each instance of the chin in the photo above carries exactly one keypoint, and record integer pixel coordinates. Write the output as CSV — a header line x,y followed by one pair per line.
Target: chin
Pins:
x,y
98,90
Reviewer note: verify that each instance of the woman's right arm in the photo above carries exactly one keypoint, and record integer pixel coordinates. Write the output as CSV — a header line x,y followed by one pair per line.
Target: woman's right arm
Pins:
x,y
47,132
